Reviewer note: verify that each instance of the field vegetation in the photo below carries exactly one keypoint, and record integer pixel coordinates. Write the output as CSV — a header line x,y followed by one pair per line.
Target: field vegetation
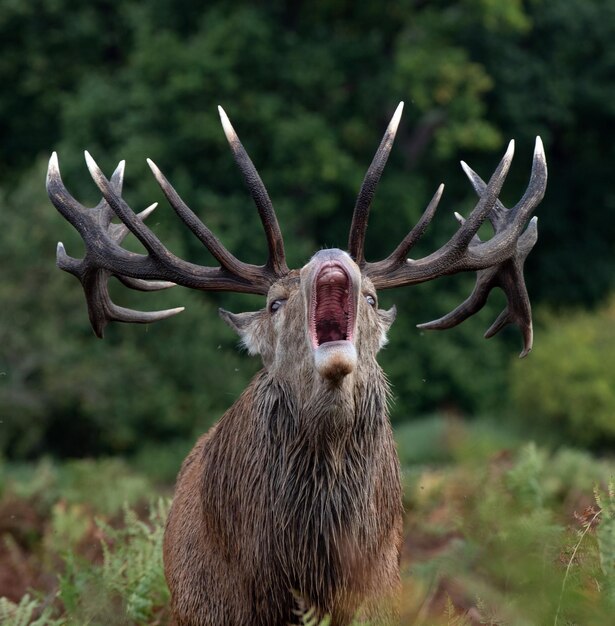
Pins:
x,y
497,532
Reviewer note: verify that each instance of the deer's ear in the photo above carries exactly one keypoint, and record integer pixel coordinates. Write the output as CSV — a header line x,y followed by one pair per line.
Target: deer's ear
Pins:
x,y
387,317
248,326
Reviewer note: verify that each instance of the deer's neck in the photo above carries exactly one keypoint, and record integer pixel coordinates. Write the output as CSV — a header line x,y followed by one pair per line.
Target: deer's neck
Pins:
x,y
313,467
330,463
318,413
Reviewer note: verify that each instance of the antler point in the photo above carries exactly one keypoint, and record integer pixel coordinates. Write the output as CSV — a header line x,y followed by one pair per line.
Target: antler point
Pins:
x,y
148,211
229,131
53,169
60,250
153,167
91,163
396,118
525,352
117,177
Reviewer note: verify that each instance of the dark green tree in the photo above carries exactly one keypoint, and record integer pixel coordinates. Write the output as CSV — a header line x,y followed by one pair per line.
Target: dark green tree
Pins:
x,y
310,88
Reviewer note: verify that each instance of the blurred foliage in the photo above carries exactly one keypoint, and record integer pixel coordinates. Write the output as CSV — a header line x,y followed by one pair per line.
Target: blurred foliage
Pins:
x,y
515,539
309,87
104,485
568,385
27,613
79,534
512,536
65,392
131,574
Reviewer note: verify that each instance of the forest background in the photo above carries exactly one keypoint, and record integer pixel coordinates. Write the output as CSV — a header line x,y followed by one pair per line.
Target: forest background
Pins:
x,y
309,86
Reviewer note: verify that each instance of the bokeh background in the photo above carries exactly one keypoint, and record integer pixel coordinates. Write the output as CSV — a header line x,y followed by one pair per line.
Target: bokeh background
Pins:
x,y
310,87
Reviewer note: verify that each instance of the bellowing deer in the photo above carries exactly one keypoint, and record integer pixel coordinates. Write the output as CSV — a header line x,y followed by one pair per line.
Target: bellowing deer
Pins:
x,y
292,500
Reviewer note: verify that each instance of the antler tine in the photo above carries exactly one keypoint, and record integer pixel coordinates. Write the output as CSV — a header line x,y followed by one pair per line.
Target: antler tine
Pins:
x,y
275,242
101,309
498,261
151,243
68,207
461,239
453,256
74,212
509,277
160,263
358,227
117,178
534,192
205,236
398,256
138,283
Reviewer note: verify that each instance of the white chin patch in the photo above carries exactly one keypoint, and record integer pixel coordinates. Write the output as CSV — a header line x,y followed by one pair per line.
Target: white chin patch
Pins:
x,y
335,359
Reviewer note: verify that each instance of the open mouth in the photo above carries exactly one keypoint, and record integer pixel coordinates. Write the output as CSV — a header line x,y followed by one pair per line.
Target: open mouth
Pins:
x,y
332,309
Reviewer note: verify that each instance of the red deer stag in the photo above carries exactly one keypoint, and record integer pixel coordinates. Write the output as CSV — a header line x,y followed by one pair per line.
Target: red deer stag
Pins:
x,y
292,501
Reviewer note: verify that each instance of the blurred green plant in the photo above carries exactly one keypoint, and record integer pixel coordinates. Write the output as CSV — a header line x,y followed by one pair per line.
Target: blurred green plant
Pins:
x,y
515,539
27,613
605,535
131,574
519,536
127,587
103,485
568,383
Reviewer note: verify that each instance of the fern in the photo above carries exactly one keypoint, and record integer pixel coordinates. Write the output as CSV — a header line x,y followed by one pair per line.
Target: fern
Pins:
x,y
605,535
525,479
132,566
131,574
27,613
453,618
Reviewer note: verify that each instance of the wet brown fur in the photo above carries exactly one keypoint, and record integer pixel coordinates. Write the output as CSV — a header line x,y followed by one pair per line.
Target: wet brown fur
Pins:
x,y
292,500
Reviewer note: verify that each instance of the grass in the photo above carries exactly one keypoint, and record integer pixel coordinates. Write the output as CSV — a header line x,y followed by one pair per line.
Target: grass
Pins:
x,y
497,531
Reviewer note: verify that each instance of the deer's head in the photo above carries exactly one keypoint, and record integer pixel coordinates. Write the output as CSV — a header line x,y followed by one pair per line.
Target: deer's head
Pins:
x,y
328,309
326,313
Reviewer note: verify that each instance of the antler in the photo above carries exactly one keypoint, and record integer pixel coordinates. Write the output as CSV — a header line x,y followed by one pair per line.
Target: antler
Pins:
x,y
498,261
159,268
358,228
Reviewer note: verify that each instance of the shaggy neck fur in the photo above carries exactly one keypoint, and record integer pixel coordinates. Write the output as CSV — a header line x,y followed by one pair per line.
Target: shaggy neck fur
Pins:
x,y
319,464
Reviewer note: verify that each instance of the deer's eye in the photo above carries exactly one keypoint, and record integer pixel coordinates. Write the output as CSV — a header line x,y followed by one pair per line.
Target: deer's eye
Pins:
x,y
276,305
370,300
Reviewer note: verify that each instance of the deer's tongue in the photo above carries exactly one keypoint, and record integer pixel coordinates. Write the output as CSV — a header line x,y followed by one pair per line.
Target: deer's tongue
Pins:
x,y
332,325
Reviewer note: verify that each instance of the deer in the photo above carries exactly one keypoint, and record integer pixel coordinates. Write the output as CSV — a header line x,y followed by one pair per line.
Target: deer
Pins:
x,y
291,504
